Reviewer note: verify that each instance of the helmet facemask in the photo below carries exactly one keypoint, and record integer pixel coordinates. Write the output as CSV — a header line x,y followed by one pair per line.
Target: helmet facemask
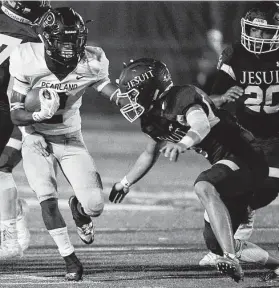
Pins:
x,y
66,47
132,110
259,45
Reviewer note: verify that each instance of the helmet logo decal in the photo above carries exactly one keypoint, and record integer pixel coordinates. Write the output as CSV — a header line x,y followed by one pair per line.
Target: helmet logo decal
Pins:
x,y
139,79
71,32
49,20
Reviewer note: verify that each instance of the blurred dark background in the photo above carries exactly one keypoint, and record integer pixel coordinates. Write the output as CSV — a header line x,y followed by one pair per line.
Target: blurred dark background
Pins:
x,y
179,33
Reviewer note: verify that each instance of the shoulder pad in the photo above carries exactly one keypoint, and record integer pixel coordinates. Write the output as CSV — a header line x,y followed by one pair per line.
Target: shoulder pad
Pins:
x,y
97,61
180,98
94,53
225,56
21,57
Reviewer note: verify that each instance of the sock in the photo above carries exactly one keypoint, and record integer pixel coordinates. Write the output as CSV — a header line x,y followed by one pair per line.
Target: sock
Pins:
x,y
62,240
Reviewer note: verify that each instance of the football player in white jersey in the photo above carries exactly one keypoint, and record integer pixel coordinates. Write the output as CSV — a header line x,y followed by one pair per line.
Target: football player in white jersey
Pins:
x,y
63,66
17,22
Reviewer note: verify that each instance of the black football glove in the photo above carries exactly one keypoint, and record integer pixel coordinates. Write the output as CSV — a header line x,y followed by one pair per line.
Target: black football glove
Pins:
x,y
116,196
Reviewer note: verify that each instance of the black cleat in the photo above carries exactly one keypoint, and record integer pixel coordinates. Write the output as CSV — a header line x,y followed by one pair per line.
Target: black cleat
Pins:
x,y
231,267
84,224
73,267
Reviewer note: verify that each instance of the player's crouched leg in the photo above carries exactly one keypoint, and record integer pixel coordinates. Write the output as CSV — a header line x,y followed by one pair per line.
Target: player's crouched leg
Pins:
x,y
84,207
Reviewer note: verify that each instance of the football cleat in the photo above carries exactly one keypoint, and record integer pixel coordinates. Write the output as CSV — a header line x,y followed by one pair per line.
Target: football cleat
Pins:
x,y
9,243
84,224
270,276
10,252
73,267
230,266
209,259
23,233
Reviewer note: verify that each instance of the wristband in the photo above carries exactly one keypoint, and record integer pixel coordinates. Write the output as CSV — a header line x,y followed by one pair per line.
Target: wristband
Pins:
x,y
125,182
187,141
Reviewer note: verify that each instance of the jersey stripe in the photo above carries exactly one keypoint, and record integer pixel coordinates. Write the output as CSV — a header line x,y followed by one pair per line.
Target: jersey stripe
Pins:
x,y
228,69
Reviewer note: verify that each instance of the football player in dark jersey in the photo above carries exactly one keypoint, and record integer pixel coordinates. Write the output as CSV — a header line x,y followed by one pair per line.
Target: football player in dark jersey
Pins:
x,y
177,118
247,82
17,20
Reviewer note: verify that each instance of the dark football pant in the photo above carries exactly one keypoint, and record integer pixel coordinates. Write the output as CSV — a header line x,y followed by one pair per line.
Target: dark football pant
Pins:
x,y
6,128
238,211
227,182
270,188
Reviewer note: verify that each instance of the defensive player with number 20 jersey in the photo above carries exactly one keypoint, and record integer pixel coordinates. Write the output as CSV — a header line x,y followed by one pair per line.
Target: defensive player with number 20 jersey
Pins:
x,y
63,66
17,19
177,118
248,78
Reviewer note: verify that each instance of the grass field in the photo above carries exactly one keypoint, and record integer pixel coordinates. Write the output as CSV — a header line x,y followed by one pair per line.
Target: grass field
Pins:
x,y
153,239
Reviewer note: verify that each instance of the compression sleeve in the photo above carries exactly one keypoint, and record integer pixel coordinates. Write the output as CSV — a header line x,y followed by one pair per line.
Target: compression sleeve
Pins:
x,y
200,127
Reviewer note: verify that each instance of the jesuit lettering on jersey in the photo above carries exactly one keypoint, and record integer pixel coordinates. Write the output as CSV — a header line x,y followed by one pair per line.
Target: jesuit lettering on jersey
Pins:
x,y
259,77
141,78
59,86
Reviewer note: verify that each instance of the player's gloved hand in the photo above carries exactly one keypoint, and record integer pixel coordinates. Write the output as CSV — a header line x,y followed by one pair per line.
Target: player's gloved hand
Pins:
x,y
37,143
173,150
118,193
50,102
232,94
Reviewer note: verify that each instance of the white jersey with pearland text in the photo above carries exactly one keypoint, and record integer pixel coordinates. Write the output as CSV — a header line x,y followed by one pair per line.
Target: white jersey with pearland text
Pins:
x,y
29,69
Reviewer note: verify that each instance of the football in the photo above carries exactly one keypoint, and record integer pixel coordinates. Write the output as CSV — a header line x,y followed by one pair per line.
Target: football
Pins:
x,y
32,101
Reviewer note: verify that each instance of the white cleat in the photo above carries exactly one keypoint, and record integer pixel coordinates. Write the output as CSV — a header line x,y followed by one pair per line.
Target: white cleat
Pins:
x,y
7,252
23,233
10,247
209,259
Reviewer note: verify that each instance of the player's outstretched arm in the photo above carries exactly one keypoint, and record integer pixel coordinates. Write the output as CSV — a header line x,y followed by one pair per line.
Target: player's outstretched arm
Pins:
x,y
110,91
232,94
143,164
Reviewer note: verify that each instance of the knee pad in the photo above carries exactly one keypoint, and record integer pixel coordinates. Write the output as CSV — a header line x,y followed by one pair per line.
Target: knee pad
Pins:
x,y
92,204
51,214
6,180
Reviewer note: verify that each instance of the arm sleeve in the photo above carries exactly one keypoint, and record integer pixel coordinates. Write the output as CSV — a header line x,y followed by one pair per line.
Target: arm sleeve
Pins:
x,y
198,121
102,64
20,82
225,76
222,83
200,126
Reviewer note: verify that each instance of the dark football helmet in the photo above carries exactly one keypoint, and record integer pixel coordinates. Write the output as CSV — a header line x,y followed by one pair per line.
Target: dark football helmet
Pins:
x,y
141,83
27,12
64,34
264,16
